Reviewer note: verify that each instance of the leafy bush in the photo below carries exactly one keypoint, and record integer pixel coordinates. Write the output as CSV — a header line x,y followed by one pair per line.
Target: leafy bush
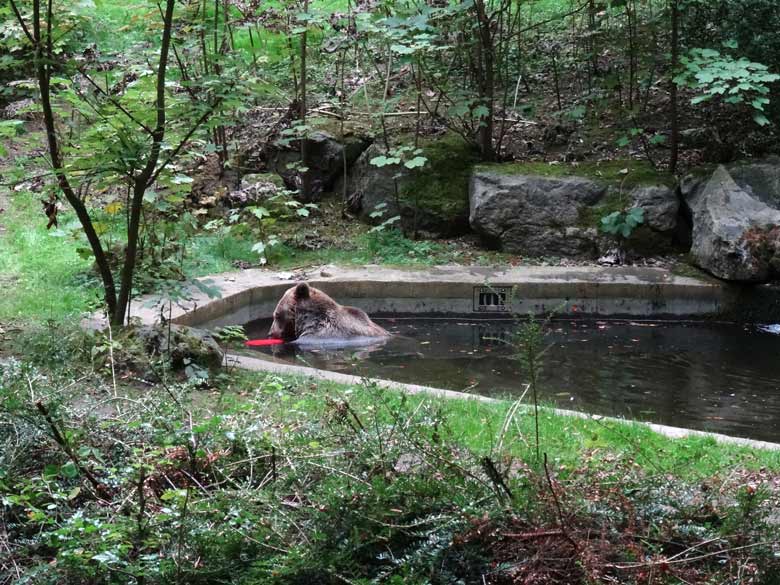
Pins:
x,y
733,80
623,223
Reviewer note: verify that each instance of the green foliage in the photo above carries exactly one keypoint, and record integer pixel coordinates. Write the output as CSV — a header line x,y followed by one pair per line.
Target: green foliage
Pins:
x,y
409,156
390,246
42,276
261,224
9,129
623,223
732,80
199,486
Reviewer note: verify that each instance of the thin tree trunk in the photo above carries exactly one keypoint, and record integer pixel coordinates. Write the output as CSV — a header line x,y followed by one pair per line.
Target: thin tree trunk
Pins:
x,y
305,175
675,139
486,76
141,180
43,75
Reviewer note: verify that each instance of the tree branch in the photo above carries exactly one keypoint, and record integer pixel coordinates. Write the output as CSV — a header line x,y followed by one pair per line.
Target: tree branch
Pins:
x,y
22,23
183,141
115,102
141,180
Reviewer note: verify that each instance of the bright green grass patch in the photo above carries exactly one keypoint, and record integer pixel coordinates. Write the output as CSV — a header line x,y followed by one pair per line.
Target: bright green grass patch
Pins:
x,y
568,441
42,276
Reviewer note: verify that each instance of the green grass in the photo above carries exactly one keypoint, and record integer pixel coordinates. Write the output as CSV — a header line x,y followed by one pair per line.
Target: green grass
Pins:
x,y
211,254
41,275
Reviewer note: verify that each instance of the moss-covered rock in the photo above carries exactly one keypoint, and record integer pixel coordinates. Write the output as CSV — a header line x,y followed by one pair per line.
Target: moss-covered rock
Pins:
x,y
625,174
435,200
540,209
432,200
184,345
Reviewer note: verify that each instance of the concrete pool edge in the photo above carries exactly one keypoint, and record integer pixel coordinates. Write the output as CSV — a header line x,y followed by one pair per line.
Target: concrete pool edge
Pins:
x,y
457,290
272,367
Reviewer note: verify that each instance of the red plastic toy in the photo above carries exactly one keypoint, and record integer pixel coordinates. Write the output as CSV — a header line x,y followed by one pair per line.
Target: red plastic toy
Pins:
x,y
261,342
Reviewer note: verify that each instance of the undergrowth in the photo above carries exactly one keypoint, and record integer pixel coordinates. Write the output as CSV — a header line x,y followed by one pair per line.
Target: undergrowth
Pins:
x,y
121,471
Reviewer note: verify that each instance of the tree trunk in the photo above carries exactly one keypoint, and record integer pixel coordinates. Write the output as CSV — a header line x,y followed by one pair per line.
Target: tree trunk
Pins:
x,y
305,175
43,75
675,139
141,180
486,78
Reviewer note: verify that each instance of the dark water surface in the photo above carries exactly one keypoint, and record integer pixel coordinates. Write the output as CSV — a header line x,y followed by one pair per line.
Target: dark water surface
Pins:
x,y
713,377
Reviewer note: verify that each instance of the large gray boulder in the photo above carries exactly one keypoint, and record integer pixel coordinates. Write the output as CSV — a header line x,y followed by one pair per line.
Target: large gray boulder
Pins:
x,y
736,233
760,179
663,229
661,205
535,215
326,160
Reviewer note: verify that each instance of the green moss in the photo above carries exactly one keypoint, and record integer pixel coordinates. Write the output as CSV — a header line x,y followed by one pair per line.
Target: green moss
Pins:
x,y
608,172
442,186
332,126
591,216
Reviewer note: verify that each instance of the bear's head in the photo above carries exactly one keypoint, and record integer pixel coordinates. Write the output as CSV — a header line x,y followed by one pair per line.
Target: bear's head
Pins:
x,y
303,301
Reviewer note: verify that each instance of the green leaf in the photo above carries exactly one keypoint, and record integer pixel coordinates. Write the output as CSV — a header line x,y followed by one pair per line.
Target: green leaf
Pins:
x,y
383,161
69,470
416,162
658,139
759,102
402,49
481,112
760,119
259,212
636,214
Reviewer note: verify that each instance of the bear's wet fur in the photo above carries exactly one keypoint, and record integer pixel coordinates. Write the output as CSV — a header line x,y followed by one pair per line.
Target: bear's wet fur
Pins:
x,y
306,313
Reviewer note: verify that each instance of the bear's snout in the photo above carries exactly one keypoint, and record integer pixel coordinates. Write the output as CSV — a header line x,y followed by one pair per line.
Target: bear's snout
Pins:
x,y
276,332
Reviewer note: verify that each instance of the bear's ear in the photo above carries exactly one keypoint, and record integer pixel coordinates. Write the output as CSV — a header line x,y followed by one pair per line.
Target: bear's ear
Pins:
x,y
302,291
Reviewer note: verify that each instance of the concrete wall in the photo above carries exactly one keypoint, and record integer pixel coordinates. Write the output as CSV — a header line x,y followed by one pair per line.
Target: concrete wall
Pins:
x,y
455,290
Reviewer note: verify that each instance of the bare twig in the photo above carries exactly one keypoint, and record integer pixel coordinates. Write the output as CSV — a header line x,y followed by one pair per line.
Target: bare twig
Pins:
x,y
115,102
561,523
678,561
60,439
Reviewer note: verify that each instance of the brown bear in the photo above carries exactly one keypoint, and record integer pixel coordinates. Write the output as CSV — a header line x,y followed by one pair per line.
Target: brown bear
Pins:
x,y
305,313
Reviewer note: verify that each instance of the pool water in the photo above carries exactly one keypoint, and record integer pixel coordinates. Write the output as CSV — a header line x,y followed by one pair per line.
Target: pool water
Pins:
x,y
722,378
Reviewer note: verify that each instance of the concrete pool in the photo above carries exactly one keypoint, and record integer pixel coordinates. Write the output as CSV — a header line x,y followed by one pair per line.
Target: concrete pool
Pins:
x,y
588,299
